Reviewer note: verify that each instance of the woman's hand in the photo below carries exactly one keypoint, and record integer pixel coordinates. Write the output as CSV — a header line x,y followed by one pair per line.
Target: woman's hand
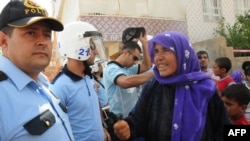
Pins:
x,y
121,129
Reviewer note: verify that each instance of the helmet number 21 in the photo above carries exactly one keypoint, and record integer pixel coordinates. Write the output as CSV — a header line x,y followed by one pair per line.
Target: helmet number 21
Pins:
x,y
83,51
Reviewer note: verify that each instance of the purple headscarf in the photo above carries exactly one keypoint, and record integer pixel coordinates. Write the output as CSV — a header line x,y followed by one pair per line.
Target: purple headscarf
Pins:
x,y
193,87
237,76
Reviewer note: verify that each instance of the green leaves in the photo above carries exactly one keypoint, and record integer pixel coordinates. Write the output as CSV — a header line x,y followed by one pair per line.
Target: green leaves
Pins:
x,y
238,34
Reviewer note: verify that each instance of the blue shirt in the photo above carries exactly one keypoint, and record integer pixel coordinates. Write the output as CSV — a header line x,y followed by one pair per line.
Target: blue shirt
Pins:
x,y
101,93
20,102
121,100
78,94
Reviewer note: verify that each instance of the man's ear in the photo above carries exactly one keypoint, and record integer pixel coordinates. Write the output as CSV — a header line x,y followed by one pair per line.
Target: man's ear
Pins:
x,y
3,40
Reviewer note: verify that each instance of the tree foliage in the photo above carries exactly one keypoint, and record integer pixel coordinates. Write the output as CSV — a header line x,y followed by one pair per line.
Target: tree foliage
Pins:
x,y
238,34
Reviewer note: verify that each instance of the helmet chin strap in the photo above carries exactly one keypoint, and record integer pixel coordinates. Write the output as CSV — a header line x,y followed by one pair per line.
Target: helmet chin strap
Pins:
x,y
87,70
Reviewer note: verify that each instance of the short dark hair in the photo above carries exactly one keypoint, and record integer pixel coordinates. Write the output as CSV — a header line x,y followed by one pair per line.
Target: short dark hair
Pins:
x,y
239,92
247,71
224,62
201,52
131,46
246,67
8,30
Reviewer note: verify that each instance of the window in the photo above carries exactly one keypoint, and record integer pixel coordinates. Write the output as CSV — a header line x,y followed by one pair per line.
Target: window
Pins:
x,y
212,10
242,6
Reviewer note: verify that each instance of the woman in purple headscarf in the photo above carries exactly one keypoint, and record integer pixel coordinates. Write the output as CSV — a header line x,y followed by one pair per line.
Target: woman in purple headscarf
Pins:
x,y
181,103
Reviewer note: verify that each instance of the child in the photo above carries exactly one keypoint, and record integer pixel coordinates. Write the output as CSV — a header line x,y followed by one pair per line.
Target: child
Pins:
x,y
246,68
221,67
236,98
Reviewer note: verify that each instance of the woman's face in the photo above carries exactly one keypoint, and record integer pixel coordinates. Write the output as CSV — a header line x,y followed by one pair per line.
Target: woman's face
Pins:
x,y
165,60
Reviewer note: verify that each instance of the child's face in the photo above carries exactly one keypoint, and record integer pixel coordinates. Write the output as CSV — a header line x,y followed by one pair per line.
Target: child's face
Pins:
x,y
217,70
248,78
234,110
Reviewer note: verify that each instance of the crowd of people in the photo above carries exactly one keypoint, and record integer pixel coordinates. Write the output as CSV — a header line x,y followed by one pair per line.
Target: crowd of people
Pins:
x,y
95,99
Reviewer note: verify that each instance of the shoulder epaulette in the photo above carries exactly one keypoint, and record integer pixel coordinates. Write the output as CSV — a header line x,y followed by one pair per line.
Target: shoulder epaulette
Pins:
x,y
3,76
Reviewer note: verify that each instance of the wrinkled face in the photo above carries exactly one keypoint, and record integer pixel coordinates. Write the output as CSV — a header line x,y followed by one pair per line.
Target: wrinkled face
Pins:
x,y
165,61
203,60
29,48
234,110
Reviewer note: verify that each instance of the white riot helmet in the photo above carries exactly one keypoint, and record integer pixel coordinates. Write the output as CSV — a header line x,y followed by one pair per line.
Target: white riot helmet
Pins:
x,y
78,39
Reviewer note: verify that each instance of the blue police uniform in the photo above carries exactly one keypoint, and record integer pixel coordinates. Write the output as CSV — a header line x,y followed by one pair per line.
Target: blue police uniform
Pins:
x,y
79,95
101,93
121,100
29,112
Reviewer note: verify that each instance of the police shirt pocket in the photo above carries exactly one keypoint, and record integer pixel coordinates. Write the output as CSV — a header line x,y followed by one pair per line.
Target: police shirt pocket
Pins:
x,y
40,123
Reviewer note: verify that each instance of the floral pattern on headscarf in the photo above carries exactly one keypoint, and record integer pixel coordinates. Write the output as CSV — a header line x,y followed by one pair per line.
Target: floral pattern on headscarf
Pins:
x,y
193,87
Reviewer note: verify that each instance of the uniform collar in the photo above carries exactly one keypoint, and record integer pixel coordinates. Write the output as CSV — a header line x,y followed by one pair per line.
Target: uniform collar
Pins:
x,y
70,74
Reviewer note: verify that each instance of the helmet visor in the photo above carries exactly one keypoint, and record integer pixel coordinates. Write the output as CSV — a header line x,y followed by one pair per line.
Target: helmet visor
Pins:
x,y
96,44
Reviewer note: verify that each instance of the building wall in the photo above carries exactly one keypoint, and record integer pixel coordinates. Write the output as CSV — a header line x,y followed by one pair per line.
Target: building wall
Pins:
x,y
198,30
167,9
69,11
112,27
111,17
217,47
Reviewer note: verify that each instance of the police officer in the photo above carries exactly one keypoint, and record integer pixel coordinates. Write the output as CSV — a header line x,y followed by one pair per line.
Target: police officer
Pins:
x,y
29,111
80,43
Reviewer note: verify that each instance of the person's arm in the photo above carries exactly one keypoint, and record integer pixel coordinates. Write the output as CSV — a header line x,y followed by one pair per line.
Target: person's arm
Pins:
x,y
135,124
146,62
133,80
106,133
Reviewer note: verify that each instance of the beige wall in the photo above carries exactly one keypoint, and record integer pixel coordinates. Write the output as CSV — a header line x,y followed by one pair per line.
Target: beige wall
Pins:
x,y
216,47
69,11
190,11
185,16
